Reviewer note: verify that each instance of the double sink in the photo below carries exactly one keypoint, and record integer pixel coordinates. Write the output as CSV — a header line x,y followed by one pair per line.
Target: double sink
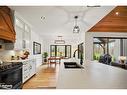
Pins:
x,y
72,65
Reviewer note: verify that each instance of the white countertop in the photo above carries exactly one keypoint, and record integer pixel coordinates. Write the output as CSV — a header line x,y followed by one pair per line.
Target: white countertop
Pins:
x,y
94,75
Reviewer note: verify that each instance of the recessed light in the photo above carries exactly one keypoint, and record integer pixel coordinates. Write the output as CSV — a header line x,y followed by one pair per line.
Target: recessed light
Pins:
x,y
117,13
42,17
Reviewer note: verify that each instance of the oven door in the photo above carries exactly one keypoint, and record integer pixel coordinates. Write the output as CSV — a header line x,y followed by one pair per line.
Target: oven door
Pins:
x,y
11,79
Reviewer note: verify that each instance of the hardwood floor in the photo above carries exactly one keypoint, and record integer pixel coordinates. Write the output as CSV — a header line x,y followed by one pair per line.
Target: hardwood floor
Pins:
x,y
45,78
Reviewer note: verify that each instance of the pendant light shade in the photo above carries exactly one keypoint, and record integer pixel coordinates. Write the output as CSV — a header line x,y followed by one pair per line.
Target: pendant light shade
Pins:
x,y
76,28
59,40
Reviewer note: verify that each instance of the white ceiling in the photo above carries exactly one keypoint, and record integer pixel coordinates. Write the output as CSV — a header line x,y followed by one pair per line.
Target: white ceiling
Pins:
x,y
59,20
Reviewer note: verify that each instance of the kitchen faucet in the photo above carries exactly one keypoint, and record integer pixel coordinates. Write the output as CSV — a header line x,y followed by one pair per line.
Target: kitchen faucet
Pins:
x,y
81,59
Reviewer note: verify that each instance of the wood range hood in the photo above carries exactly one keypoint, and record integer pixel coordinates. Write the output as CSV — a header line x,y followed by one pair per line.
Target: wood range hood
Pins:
x,y
7,32
115,21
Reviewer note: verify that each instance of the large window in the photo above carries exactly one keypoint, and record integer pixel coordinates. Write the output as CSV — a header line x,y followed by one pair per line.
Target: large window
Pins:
x,y
60,51
109,45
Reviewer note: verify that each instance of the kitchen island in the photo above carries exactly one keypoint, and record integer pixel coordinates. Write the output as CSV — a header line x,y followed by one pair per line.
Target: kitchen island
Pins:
x,y
94,75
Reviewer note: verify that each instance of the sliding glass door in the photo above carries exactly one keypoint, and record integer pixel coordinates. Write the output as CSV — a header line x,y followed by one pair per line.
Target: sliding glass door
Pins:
x,y
60,51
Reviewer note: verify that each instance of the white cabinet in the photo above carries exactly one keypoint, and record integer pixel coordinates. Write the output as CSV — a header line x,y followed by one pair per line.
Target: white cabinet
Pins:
x,y
23,33
32,67
29,69
19,23
26,37
18,43
25,71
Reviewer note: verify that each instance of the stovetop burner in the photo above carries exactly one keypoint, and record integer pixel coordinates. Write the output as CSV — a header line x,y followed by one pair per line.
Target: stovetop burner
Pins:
x,y
9,65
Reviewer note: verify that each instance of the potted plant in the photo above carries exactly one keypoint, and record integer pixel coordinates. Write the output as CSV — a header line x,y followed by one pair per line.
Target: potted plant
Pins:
x,y
45,55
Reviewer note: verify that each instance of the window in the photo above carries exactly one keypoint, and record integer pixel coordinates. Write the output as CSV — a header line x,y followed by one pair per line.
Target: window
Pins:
x,y
60,50
114,46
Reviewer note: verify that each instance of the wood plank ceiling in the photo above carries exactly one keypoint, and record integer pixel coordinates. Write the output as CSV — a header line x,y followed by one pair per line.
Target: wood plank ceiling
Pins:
x,y
115,21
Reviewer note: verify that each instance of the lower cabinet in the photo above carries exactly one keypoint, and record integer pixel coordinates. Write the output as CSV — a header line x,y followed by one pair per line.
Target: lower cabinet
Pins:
x,y
32,67
29,69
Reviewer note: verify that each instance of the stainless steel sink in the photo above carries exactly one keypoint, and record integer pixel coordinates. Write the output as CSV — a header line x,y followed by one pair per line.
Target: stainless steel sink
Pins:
x,y
72,65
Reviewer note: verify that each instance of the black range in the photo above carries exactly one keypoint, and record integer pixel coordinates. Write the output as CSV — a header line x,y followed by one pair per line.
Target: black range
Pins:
x,y
11,75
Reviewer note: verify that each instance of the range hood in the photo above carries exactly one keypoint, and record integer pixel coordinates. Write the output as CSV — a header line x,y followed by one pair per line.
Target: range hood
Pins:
x,y
7,32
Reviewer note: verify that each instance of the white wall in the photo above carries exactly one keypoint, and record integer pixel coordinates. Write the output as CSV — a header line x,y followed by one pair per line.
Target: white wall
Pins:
x,y
89,41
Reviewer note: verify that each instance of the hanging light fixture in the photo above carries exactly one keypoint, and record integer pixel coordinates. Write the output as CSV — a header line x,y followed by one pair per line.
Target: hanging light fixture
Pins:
x,y
59,40
76,28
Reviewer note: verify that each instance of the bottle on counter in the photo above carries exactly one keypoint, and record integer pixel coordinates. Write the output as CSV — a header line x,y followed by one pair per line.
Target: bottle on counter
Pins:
x,y
18,57
12,58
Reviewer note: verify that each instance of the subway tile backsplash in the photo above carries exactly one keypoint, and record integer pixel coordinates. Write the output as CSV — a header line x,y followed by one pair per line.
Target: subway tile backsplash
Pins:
x,y
6,55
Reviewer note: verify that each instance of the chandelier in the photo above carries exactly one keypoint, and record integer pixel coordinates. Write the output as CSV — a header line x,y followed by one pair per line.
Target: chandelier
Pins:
x,y
59,40
76,28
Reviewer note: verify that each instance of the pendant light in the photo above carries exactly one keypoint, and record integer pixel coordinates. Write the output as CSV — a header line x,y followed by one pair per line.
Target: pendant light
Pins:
x,y
76,28
59,40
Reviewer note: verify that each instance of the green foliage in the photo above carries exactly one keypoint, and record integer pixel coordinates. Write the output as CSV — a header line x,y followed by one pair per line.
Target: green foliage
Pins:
x,y
45,55
96,56
113,58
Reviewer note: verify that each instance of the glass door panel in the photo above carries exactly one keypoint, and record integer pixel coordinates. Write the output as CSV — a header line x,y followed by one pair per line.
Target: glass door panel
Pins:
x,y
60,51
52,50
68,51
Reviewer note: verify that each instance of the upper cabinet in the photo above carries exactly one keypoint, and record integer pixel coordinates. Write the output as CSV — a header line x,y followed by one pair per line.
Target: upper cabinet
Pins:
x,y
23,32
7,31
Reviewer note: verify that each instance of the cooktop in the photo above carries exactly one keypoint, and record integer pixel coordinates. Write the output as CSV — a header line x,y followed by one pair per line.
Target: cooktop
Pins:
x,y
9,65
